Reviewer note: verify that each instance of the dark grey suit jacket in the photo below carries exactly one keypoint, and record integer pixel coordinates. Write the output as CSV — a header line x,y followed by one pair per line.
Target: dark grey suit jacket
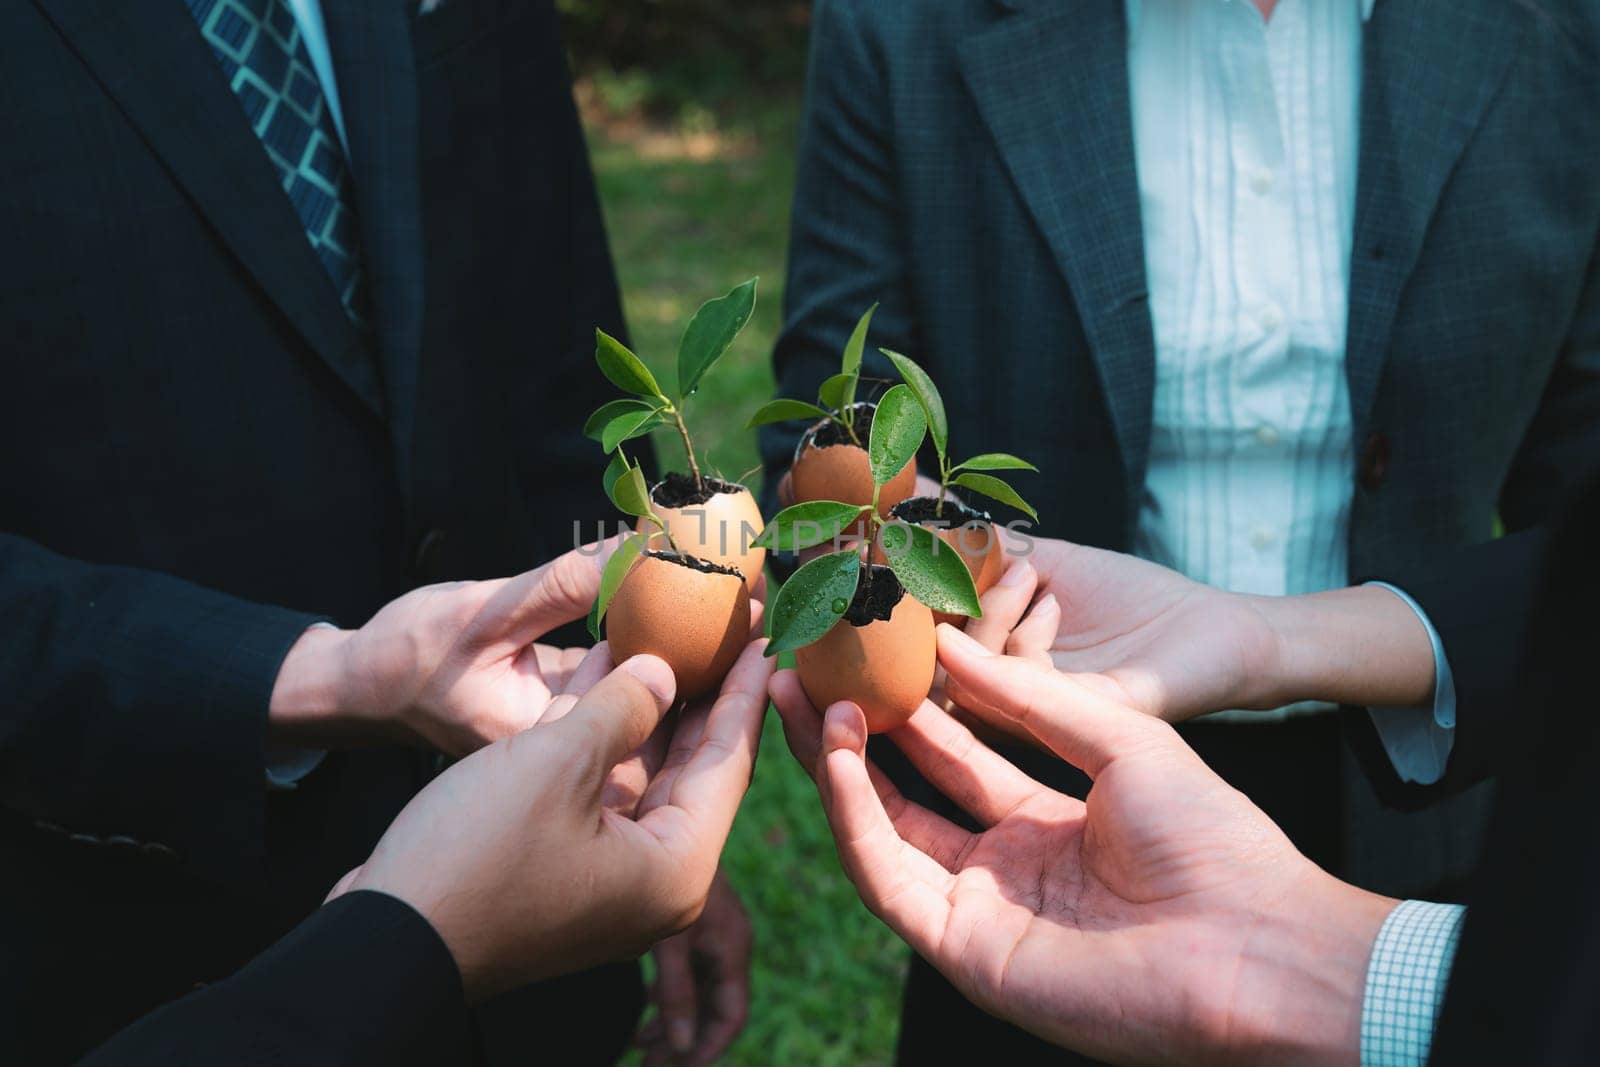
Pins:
x,y
970,164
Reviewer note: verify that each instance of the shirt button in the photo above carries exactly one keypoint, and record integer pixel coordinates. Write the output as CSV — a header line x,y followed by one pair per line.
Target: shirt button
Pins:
x,y
1262,539
1266,436
1261,182
1271,318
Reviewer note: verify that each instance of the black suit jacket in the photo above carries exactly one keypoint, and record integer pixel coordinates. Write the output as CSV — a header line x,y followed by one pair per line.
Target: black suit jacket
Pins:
x,y
1519,625
202,456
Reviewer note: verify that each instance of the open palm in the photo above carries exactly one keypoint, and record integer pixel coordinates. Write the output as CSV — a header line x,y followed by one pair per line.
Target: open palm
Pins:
x,y
1121,926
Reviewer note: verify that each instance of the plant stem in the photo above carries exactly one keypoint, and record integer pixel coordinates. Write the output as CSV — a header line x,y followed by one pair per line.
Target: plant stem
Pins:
x,y
671,542
851,430
944,487
688,450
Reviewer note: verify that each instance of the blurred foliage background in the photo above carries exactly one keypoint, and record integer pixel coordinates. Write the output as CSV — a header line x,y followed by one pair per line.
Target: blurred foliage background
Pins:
x,y
691,109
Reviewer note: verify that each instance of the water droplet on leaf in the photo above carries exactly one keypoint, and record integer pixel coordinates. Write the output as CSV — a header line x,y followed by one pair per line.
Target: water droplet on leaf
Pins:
x,y
839,604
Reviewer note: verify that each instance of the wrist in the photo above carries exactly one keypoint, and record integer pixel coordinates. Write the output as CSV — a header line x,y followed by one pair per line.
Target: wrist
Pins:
x,y
1302,977
1361,646
309,705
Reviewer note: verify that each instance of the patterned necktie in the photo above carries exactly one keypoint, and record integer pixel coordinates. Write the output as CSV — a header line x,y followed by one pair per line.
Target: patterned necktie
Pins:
x,y
259,46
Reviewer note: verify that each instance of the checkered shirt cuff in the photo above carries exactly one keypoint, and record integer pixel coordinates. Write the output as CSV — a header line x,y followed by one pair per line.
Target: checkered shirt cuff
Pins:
x,y
1406,980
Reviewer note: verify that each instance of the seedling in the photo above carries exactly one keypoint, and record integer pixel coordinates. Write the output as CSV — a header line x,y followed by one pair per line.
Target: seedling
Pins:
x,y
836,398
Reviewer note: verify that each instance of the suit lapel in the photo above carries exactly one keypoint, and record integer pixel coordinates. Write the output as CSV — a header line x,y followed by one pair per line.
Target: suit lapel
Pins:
x,y
153,62
375,67
1051,83
1430,68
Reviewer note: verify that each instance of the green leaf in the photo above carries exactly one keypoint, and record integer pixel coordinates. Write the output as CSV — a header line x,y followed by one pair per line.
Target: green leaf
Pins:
x,y
608,411
832,392
630,494
807,525
617,568
623,368
927,393
851,364
711,332
897,430
812,601
628,426
614,470
930,570
995,461
995,489
784,410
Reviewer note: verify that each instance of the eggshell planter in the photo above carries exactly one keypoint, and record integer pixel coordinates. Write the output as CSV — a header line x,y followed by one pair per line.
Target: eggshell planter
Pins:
x,y
692,613
880,655
829,466
718,524
967,531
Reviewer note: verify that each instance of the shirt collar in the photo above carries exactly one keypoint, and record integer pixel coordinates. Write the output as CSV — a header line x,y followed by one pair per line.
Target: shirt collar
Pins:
x,y
1133,11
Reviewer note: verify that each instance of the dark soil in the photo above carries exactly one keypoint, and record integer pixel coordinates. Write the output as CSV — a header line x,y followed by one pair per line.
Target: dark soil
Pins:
x,y
677,490
830,433
695,563
922,509
877,593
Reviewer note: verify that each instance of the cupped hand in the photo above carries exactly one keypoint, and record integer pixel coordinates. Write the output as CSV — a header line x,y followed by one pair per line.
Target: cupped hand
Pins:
x,y
453,666
702,988
515,858
1165,918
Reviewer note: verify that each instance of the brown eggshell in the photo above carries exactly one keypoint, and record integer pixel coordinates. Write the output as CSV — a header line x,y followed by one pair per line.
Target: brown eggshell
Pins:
x,y
722,530
697,621
980,548
844,473
886,666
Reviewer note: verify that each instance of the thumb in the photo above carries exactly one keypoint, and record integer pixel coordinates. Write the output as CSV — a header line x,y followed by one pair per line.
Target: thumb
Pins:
x,y
557,593
1082,727
342,886
613,718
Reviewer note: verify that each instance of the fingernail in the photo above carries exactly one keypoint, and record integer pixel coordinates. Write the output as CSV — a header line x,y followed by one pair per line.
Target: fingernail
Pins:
x,y
952,636
1047,601
656,676
681,1034
1016,574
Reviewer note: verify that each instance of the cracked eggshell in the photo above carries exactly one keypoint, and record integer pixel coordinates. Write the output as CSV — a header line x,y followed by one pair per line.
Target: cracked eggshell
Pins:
x,y
886,666
721,530
696,620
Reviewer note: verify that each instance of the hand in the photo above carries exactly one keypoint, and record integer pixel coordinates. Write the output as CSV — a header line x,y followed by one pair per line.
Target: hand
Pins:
x,y
702,988
1149,638
454,666
1165,918
513,857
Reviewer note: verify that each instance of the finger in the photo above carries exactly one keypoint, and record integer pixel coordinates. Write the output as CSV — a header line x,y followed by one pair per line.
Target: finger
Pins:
x,y
802,723
613,718
899,884
943,841
710,784
758,611
1033,636
1084,728
674,992
985,784
1004,605
726,1011
759,594
596,665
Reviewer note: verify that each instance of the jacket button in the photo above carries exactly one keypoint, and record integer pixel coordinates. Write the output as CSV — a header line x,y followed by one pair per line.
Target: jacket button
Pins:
x,y
1374,467
429,558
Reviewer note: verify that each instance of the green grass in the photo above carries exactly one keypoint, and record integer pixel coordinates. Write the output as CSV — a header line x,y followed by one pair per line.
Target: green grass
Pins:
x,y
691,212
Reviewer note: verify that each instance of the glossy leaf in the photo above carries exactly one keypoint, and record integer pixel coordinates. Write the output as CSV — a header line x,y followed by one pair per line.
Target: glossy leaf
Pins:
x,y
995,461
995,489
930,570
623,368
711,332
608,411
617,568
627,427
614,470
807,525
932,403
851,364
812,601
897,431
832,392
630,494
783,410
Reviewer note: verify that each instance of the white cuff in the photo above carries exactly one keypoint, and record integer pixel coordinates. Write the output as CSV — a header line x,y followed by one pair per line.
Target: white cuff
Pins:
x,y
1419,743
